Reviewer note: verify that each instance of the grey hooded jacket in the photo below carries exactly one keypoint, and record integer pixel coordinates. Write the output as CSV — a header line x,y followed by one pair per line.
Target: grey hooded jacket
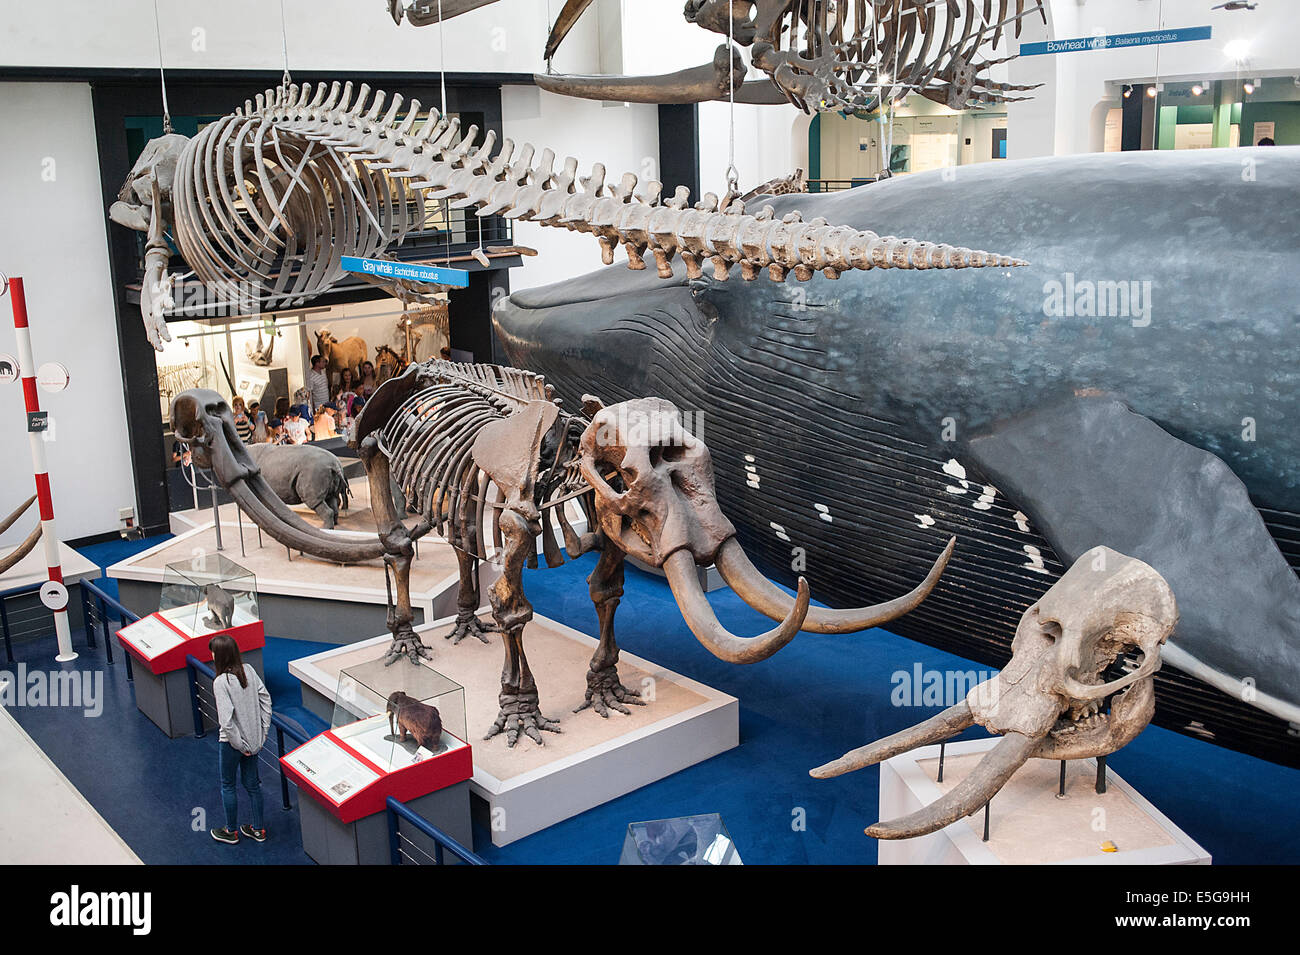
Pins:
x,y
244,712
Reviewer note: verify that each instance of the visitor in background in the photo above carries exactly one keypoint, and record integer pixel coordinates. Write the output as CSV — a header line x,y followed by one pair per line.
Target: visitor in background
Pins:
x,y
259,422
295,426
367,385
281,408
323,426
180,454
244,715
318,382
243,424
347,384
275,432
1266,141
350,415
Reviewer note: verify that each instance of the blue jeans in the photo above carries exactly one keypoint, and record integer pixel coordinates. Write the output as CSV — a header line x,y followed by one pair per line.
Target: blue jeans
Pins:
x,y
231,760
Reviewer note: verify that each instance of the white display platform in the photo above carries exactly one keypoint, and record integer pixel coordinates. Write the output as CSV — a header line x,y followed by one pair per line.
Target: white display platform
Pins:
x,y
356,518
593,760
304,597
46,819
1028,823
32,570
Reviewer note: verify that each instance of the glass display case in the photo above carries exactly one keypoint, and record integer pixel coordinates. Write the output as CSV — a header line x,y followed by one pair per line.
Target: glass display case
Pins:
x,y
208,594
686,840
397,716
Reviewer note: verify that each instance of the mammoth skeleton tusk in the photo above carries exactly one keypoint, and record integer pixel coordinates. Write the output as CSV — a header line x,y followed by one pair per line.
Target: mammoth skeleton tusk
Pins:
x,y
771,601
939,727
990,775
679,568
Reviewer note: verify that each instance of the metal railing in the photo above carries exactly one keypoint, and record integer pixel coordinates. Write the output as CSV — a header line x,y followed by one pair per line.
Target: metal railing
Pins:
x,y
202,703
402,847
95,607
18,624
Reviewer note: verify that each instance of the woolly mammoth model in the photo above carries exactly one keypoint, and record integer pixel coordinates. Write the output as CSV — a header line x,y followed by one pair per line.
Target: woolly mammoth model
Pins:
x,y
407,716
303,474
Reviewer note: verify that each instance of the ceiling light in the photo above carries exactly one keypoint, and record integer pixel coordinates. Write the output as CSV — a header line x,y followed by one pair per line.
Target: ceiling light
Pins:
x,y
1248,87
1237,50
1198,89
1151,92
1128,90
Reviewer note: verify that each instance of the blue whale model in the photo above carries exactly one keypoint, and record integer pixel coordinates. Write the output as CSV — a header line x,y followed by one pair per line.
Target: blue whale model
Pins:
x,y
1137,386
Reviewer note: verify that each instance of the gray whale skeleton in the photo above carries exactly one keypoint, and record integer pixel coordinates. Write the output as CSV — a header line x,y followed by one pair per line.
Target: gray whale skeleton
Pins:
x,y
273,196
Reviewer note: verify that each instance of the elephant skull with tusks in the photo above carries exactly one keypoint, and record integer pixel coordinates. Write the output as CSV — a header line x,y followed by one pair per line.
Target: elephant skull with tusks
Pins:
x,y
1059,697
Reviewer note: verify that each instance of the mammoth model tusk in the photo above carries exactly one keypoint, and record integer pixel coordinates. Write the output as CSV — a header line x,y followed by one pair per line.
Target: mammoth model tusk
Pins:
x,y
679,568
937,728
990,775
10,559
771,601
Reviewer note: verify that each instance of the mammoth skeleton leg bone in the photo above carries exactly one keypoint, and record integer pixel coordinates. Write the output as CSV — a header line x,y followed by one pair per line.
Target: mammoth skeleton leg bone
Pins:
x,y
1059,697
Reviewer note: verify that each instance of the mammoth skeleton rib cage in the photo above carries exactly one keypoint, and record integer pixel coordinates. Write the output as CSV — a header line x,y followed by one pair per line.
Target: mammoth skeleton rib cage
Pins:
x,y
430,439
278,192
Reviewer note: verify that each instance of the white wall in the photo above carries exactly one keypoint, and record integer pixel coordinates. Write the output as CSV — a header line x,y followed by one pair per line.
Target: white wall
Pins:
x,y
245,34
1061,119
624,138
55,238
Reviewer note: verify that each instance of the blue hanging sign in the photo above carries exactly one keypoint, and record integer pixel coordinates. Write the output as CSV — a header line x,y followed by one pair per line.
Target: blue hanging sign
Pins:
x,y
1116,41
410,271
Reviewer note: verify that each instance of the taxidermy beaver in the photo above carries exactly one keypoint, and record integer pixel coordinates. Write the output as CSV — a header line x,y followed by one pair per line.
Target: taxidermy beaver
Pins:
x,y
417,719
221,606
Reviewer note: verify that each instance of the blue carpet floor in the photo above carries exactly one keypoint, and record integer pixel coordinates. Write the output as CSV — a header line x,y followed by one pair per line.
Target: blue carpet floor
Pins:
x,y
817,698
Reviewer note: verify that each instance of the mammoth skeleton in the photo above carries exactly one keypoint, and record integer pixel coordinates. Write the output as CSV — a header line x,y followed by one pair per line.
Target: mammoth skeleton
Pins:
x,y
1060,696
264,203
486,453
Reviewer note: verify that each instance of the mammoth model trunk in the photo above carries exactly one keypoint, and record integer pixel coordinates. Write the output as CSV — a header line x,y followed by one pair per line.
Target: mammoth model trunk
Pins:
x,y
1060,696
203,420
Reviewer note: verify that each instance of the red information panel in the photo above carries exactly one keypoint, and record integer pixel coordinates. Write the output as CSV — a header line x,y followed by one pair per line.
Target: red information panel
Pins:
x,y
353,769
161,644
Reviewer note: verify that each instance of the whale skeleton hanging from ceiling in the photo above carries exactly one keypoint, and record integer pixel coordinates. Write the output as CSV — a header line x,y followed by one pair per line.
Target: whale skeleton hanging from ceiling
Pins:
x,y
264,203
817,54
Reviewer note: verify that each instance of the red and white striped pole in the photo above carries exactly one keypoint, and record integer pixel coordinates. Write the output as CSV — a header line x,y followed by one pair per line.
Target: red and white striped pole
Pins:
x,y
49,536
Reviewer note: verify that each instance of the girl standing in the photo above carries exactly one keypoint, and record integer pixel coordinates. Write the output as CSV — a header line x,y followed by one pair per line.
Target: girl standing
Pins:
x,y
244,714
